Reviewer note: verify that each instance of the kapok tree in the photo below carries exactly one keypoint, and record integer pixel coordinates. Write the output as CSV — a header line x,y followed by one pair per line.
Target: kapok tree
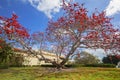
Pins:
x,y
71,32
77,30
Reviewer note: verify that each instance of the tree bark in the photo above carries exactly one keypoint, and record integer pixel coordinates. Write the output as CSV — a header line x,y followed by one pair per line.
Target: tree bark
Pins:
x,y
73,49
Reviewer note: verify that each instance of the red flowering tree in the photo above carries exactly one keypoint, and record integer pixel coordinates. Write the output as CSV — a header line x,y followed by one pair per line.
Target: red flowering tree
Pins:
x,y
76,29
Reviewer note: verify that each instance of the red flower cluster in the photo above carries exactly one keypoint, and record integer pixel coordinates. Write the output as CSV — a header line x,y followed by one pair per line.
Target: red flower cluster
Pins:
x,y
93,31
11,26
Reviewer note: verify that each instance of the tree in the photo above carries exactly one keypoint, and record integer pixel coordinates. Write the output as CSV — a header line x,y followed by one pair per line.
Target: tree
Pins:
x,y
111,59
74,31
5,52
86,58
77,30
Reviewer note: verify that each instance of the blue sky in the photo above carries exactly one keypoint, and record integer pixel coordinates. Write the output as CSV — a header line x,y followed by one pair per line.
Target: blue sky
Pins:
x,y
34,14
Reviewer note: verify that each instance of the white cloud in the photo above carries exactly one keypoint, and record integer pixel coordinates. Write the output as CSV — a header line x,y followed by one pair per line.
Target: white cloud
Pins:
x,y
1,23
49,7
113,7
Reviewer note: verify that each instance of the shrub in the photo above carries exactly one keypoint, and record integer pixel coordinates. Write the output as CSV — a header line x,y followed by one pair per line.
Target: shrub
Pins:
x,y
4,66
90,65
16,60
46,65
74,65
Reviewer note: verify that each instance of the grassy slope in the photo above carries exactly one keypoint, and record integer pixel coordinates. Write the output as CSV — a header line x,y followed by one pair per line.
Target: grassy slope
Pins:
x,y
29,73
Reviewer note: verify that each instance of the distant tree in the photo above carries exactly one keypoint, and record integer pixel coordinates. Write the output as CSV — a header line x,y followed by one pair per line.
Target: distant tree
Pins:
x,y
111,59
86,58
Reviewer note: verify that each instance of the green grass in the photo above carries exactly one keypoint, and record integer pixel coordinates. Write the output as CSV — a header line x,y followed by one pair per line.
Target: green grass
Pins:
x,y
38,73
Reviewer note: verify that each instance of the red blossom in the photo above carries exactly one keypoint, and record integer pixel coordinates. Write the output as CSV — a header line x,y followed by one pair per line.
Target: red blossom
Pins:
x,y
75,4
12,26
96,30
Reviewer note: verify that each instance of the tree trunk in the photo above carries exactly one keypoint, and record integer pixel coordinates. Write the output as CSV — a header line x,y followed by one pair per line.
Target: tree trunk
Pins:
x,y
58,66
73,49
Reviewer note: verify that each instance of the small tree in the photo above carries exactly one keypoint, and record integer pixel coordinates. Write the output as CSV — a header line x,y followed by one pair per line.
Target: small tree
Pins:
x,y
86,58
5,53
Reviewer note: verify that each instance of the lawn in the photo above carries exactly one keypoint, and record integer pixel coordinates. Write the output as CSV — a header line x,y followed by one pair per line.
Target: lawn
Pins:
x,y
38,73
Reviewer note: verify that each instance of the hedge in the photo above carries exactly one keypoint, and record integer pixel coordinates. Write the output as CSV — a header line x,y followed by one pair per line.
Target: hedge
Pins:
x,y
101,65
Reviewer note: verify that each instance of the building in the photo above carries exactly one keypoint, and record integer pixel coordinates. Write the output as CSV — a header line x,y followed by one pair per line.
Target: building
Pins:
x,y
32,60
